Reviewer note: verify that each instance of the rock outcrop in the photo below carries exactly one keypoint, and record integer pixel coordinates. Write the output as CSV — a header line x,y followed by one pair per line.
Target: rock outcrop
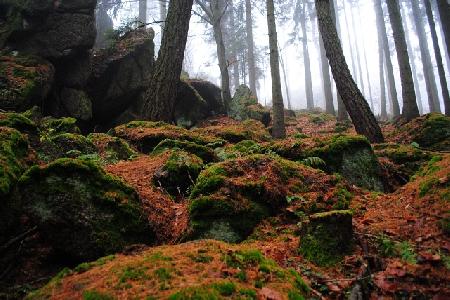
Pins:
x,y
244,105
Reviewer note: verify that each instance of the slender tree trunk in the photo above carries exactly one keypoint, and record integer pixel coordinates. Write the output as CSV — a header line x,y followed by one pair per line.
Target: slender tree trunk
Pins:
x,y
444,12
352,54
235,61
225,79
387,58
278,128
412,56
250,46
445,49
160,96
360,113
329,105
437,53
358,51
143,11
428,72
342,112
410,109
384,116
307,64
162,12
285,79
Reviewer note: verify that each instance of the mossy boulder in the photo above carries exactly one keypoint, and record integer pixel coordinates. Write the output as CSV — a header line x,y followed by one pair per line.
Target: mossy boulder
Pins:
x,y
111,149
327,237
243,148
65,145
178,173
18,121
24,81
82,212
13,152
230,198
146,135
53,126
434,132
244,105
204,152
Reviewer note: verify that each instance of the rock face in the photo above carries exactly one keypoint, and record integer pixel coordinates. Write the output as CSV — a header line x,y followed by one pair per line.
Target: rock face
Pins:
x,y
47,28
83,212
197,100
24,81
244,105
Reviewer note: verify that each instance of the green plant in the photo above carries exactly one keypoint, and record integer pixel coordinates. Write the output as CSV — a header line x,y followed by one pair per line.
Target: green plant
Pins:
x,y
407,253
94,295
225,288
314,162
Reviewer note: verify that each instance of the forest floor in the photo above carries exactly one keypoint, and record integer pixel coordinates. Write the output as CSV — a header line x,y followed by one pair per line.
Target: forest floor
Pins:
x,y
400,246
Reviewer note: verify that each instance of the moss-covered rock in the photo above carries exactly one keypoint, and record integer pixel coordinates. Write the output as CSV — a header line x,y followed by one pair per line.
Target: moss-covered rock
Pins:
x,y
24,81
145,135
13,151
204,152
51,126
434,133
18,121
65,145
244,105
81,211
327,237
230,198
178,173
111,149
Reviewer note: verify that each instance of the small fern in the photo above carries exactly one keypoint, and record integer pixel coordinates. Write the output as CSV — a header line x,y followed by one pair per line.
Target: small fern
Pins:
x,y
314,162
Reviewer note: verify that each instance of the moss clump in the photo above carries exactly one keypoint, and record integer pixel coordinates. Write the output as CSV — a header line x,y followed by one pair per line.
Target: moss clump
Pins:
x,y
231,197
83,212
327,237
204,152
244,105
18,121
65,145
145,135
83,267
111,149
94,295
178,173
235,133
434,132
243,148
13,151
51,126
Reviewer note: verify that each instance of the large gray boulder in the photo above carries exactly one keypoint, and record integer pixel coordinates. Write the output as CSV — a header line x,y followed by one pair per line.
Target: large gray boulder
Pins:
x,y
244,105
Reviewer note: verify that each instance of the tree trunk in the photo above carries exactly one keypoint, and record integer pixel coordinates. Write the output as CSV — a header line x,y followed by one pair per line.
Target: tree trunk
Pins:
x,y
221,54
387,58
329,105
360,113
143,11
445,49
278,128
285,79
437,53
307,65
160,96
428,72
410,109
162,13
384,116
342,112
412,56
352,54
250,46
358,56
444,12
234,59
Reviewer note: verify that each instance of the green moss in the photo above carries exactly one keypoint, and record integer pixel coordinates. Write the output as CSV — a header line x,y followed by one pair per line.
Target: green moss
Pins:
x,y
69,194
444,224
52,126
18,121
195,293
83,267
65,145
327,237
204,152
94,295
226,288
132,273
434,132
111,149
427,185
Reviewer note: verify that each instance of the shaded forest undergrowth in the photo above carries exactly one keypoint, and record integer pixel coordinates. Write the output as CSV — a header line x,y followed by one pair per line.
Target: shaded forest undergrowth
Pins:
x,y
320,214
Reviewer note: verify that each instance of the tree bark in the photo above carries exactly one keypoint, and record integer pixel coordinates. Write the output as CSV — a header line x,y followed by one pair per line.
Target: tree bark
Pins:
x,y
250,46
306,61
358,51
360,113
162,12
285,79
143,11
442,33
384,116
433,99
234,59
444,12
410,109
329,105
437,53
387,58
160,96
278,128
412,56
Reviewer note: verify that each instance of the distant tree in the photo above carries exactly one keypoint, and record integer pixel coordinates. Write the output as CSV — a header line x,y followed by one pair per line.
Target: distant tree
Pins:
x,y
428,72
437,53
360,113
278,128
250,46
213,12
383,39
103,24
410,109
143,11
159,99
162,12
